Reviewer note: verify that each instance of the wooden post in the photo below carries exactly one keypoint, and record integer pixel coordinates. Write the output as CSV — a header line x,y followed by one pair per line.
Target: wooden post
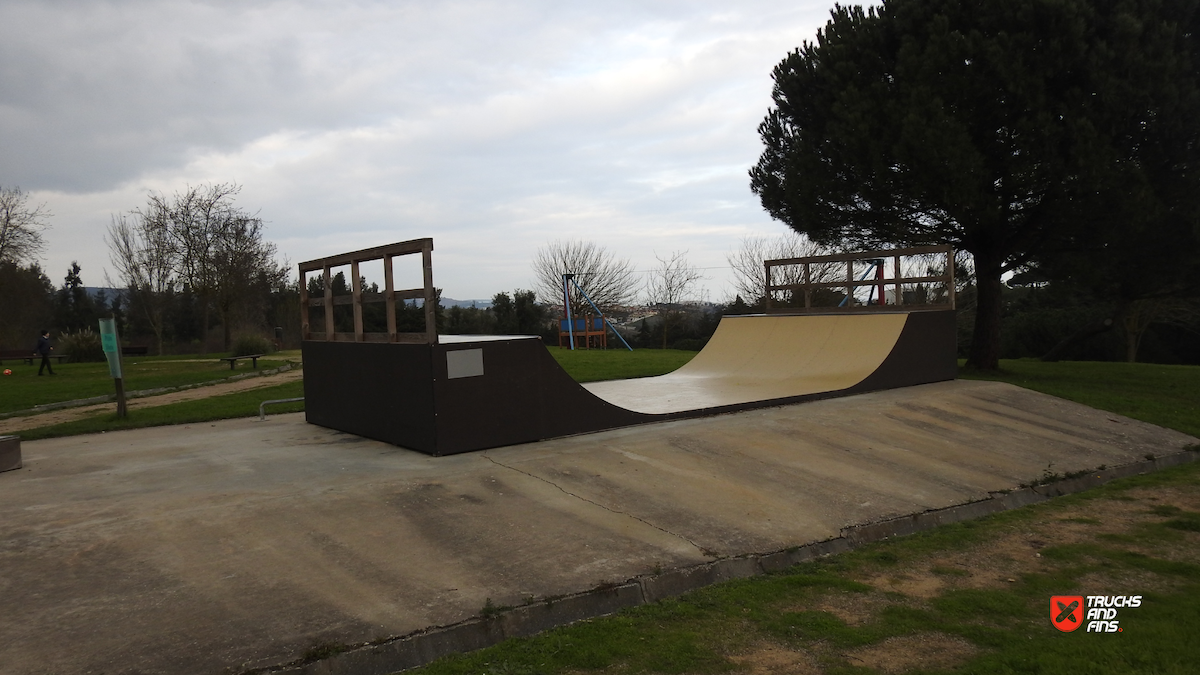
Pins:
x,y
950,273
807,288
430,300
882,286
328,304
899,285
389,297
303,306
356,298
122,411
850,286
767,290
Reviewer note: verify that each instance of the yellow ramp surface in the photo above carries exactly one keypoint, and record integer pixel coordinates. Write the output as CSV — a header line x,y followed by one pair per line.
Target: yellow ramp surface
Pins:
x,y
760,358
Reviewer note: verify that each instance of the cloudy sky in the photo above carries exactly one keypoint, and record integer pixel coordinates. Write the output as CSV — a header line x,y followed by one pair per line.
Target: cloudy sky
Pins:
x,y
491,127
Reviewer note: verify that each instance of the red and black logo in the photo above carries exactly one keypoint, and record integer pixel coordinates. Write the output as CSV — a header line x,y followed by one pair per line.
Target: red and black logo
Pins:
x,y
1066,612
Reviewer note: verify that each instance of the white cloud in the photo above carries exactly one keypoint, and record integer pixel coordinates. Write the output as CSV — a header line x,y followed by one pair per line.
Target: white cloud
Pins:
x,y
492,127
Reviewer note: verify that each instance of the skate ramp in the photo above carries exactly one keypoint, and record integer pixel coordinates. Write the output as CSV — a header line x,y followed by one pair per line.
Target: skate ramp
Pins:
x,y
475,392
765,358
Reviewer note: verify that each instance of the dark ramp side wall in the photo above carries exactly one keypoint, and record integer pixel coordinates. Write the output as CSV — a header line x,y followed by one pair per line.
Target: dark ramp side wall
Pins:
x,y
404,394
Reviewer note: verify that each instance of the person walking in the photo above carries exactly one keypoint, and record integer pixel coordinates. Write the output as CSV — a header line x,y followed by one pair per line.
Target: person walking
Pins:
x,y
44,349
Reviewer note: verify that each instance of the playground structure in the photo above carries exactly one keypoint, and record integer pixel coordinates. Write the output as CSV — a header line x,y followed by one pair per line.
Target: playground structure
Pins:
x,y
590,329
583,332
449,394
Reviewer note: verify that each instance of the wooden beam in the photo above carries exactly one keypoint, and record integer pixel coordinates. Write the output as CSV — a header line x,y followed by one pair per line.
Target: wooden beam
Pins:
x,y
356,296
399,248
844,257
767,278
304,330
807,286
389,296
430,300
899,283
328,304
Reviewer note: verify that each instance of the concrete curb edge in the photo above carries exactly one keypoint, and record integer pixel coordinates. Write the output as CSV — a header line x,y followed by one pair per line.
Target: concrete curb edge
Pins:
x,y
424,646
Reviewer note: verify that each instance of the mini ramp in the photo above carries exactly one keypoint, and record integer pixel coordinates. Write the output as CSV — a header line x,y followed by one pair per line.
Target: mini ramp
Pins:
x,y
475,392
443,395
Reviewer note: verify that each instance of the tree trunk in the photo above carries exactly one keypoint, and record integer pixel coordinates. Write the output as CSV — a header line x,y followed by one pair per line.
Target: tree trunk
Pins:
x,y
1132,340
204,328
1136,317
985,339
158,333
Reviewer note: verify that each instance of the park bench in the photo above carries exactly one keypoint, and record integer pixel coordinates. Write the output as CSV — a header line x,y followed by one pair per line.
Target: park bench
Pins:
x,y
234,359
26,355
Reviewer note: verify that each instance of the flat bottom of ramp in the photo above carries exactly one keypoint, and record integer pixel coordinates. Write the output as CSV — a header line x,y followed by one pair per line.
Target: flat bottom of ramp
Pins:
x,y
241,544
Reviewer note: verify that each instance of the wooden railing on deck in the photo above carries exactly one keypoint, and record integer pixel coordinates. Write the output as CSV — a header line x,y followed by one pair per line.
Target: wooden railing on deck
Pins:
x,y
803,277
356,298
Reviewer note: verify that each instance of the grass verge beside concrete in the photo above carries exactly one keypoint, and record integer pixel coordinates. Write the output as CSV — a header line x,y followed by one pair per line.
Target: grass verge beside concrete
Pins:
x,y
1168,396
24,389
240,404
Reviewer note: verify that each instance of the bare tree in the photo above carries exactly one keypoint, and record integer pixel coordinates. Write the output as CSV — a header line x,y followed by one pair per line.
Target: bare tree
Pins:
x,y
750,281
210,245
146,260
244,270
198,219
609,281
668,285
21,226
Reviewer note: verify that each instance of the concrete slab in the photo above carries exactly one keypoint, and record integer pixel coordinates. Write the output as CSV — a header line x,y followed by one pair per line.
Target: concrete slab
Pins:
x,y
240,544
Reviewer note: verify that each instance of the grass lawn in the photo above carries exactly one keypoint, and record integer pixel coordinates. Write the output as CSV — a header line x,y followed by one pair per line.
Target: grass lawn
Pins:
x,y
240,404
1168,396
24,389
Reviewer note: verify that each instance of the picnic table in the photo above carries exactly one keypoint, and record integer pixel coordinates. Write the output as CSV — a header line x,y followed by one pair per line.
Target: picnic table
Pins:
x,y
234,359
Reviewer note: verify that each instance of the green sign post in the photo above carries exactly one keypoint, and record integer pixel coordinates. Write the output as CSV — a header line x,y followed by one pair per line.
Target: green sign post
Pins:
x,y
111,343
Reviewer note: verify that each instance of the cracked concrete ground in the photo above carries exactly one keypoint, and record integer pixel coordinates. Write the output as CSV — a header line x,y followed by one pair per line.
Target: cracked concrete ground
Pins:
x,y
221,547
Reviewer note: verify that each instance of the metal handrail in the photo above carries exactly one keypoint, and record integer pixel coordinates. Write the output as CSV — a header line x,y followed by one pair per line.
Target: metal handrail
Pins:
x,y
262,413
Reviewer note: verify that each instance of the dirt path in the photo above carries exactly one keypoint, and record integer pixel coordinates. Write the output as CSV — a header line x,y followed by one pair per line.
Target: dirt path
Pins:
x,y
17,424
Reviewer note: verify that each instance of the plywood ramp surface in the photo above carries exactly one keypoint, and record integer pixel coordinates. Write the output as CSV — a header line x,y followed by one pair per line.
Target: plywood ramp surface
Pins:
x,y
761,358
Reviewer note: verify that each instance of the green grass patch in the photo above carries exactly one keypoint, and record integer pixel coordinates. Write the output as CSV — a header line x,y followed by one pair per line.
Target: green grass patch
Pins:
x,y
24,389
1168,396
239,404
592,365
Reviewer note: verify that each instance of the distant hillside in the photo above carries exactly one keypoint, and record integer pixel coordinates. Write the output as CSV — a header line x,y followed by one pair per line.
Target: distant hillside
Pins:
x,y
480,304
109,293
